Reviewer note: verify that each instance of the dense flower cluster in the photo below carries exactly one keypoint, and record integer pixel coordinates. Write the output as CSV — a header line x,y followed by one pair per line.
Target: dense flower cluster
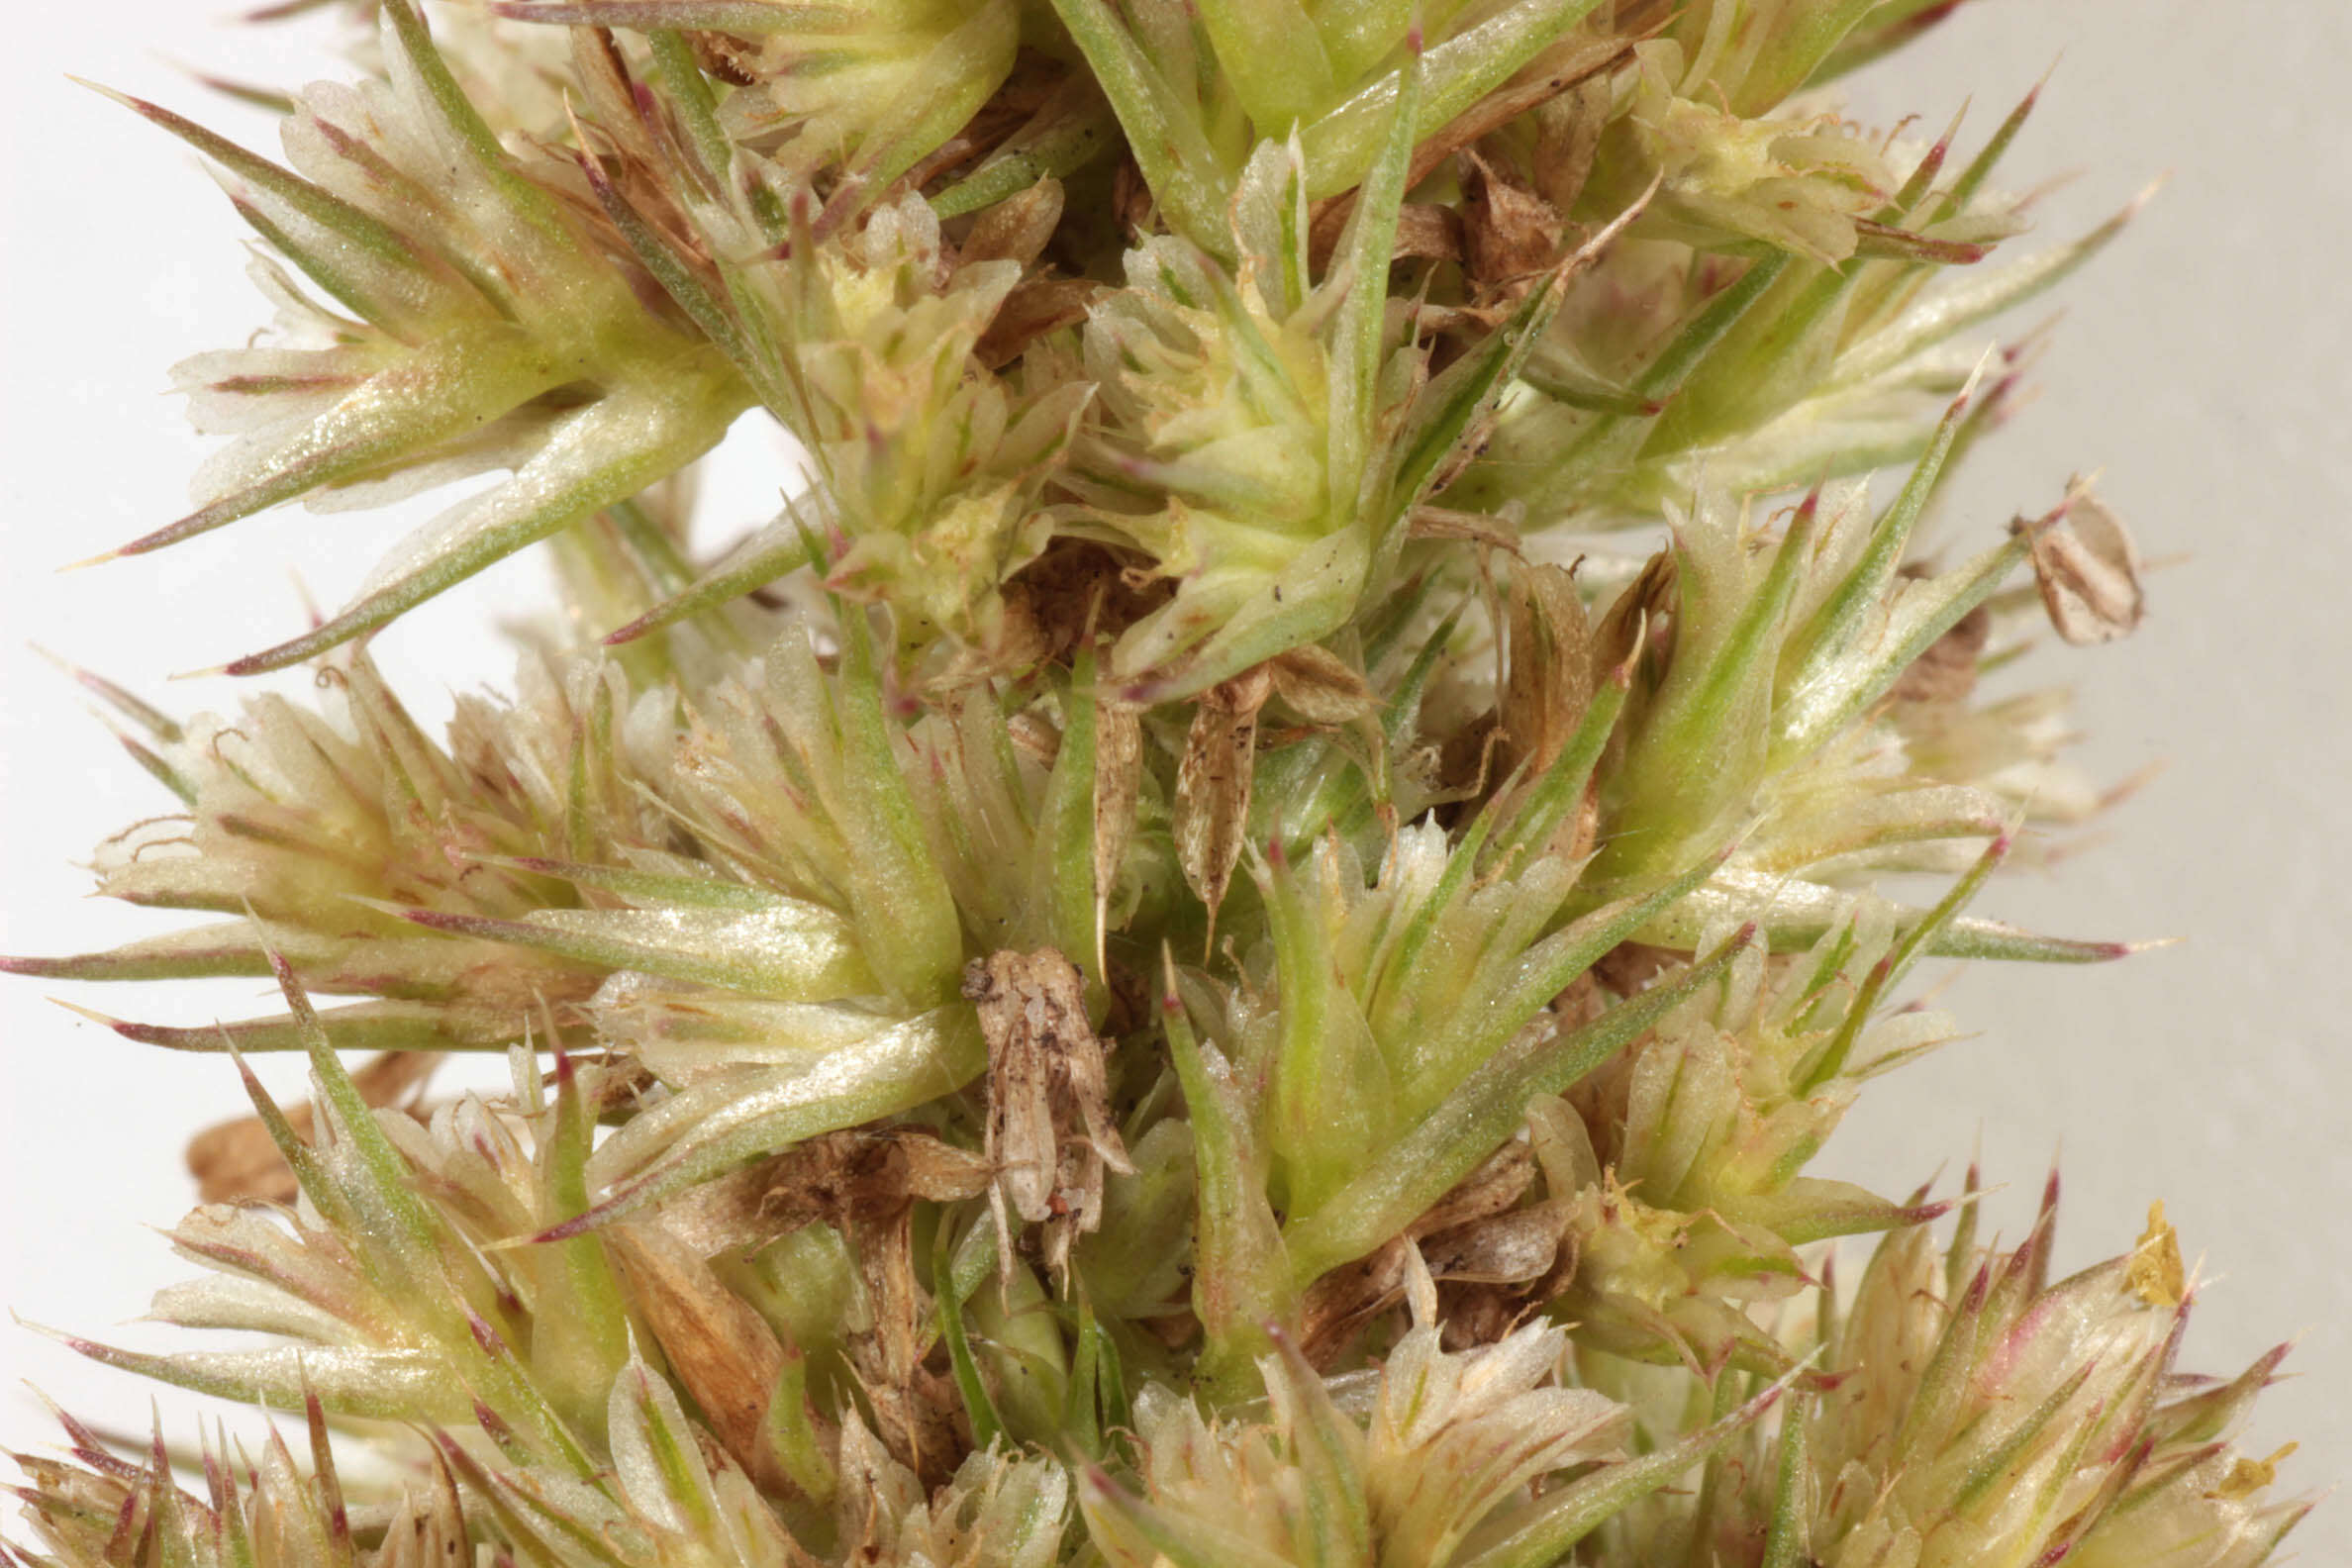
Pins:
x,y
1229,941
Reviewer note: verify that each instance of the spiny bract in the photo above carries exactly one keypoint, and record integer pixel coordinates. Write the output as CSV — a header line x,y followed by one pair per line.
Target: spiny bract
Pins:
x,y
1226,944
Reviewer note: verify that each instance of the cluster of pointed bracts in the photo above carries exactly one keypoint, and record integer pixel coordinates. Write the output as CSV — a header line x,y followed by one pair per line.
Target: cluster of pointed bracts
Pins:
x,y
1205,952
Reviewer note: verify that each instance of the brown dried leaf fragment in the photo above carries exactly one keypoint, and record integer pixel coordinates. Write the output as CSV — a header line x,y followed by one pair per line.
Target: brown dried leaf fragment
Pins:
x,y
1321,686
1051,1133
1073,591
1040,92
865,1183
1338,1306
235,1158
1566,67
1548,682
1497,1184
936,1171
733,60
1474,1233
1035,307
1947,671
1131,201
1032,734
1118,778
1509,234
1632,623
1176,1330
1213,781
1466,759
917,1410
1560,68
861,1177
1567,137
1018,228
1428,232
1631,967
2088,570
1473,1314
1436,521
1510,1248
722,1351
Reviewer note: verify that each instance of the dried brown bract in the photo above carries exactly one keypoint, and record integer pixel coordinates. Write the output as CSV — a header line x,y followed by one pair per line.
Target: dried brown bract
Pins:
x,y
1320,686
1035,307
1213,781
1509,234
1017,230
865,1183
2088,570
1547,681
1473,1234
719,1347
1947,671
1119,779
866,1176
1051,1133
1074,589
235,1158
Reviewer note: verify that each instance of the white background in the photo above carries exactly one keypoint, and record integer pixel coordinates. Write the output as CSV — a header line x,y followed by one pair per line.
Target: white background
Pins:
x,y
2202,366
